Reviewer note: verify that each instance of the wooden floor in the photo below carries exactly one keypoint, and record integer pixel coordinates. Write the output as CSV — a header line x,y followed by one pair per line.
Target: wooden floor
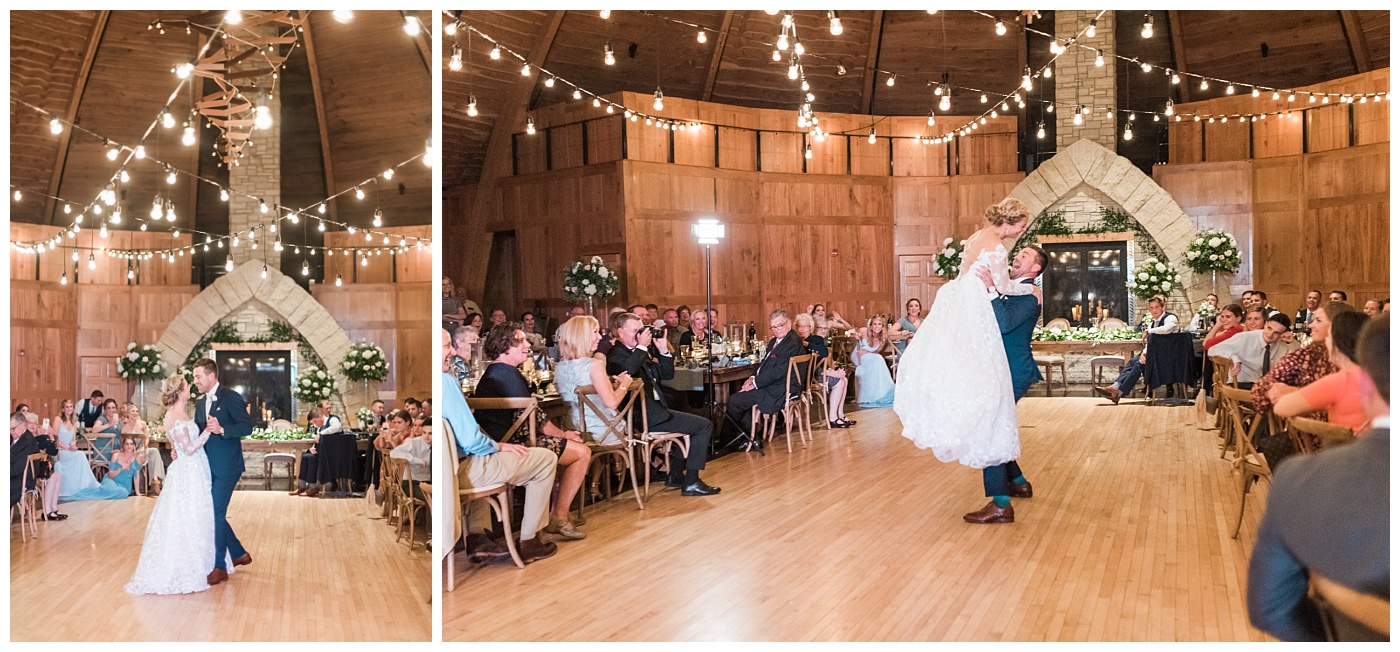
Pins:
x,y
321,571
861,538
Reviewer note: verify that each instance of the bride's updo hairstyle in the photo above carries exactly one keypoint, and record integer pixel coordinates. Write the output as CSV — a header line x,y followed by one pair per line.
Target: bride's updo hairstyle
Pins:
x,y
1007,211
170,389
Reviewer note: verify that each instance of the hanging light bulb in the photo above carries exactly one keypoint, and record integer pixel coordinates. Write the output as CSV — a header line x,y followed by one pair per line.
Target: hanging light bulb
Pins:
x,y
166,119
1146,67
18,195
471,106
364,261
1230,89
549,83
1127,132
700,37
292,217
889,81
1078,118
1255,92
529,125
343,15
234,17
597,102
411,26
871,139
305,268
262,206
359,194
1049,71
496,52
124,175
1176,79
525,70
604,14
320,226
1171,108
389,174
75,255
808,153
184,70
608,57
1204,84
223,194
157,208
1275,95
92,261
1040,130
1098,58
64,280
188,139
338,280
578,94
1093,28
455,63
945,103
262,274
984,98
55,127
1001,28
1147,26
1005,107
263,117
112,151
840,68
930,117
658,103
378,218
798,49
792,68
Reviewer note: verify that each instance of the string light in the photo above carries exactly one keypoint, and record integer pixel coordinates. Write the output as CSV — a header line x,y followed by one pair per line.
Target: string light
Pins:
x,y
411,25
835,22
1040,130
871,139
188,139
1093,28
496,52
608,57
471,106
343,16
604,14
455,63
700,36
1001,28
658,103
55,127
1098,58
1147,26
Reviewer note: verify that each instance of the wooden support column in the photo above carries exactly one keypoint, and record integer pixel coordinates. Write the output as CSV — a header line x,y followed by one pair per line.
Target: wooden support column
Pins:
x,y
867,83
1179,52
1356,40
313,67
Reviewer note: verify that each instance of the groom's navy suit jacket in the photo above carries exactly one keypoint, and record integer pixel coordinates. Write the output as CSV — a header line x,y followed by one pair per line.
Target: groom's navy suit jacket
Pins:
x,y
225,451
1016,315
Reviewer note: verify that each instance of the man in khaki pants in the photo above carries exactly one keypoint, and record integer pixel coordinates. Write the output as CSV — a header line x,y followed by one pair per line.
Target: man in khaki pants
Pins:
x,y
483,462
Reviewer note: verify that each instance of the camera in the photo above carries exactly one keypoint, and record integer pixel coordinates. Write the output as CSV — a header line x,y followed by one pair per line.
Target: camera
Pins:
x,y
658,333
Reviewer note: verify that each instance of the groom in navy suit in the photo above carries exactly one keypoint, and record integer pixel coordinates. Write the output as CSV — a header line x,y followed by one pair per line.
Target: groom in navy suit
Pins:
x,y
223,413
1016,315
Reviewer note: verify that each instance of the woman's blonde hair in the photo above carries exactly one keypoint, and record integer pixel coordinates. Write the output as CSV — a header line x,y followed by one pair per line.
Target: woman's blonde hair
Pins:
x,y
884,332
1007,211
576,337
170,389
804,317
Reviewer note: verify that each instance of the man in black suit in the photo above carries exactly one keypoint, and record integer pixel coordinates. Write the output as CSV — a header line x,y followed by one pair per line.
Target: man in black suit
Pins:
x,y
635,353
22,445
1312,304
1329,514
91,408
768,383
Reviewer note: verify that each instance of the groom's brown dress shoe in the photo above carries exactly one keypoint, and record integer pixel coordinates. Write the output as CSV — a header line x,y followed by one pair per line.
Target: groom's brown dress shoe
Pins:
x,y
991,514
1109,393
298,492
1021,490
244,560
217,575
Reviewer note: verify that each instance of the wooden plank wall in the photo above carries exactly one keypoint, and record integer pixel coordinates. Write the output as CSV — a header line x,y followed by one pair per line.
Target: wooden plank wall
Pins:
x,y
397,317
415,266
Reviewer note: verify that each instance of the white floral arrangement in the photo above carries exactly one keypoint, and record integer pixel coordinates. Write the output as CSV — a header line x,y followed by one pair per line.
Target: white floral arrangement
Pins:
x,y
140,363
1153,277
1206,312
1213,250
947,262
365,361
365,415
314,385
589,280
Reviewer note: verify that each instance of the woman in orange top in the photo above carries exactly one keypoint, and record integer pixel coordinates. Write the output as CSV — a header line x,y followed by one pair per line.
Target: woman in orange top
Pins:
x,y
1342,394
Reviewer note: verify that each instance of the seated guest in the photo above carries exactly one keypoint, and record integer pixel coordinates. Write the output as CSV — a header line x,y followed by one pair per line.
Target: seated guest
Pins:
x,y
527,322
576,311
105,431
908,324
462,340
670,320
121,475
683,315
498,317
53,479
396,429
475,320
1198,324
72,462
577,367
1306,365
453,312
486,463
714,318
324,423
417,451
1261,300
1339,394
833,381
427,412
825,323
766,387
1253,319
699,331
605,343
635,354
875,385
377,415
1227,325
652,316
413,407
1328,515
1256,352
507,347
134,426
1371,308
1337,296
22,445
91,408
1310,307
1385,305
1162,323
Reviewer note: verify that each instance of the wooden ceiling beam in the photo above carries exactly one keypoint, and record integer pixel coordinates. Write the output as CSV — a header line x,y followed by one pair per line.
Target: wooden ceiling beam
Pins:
x,y
425,49
319,97
716,57
867,83
194,89
497,163
1356,40
1178,50
99,27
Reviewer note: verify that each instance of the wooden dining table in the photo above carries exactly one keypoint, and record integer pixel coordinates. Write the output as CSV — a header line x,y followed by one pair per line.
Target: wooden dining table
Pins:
x,y
1125,348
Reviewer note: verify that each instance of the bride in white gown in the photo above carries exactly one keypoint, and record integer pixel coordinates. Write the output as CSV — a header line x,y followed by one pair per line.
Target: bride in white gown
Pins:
x,y
178,552
954,392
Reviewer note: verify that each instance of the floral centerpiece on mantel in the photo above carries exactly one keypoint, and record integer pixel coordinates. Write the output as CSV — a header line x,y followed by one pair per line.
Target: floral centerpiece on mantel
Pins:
x,y
1153,277
140,362
314,385
365,361
1084,335
1213,250
585,282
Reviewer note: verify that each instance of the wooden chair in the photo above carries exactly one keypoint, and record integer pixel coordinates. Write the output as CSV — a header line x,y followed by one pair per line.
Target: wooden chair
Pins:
x,y
386,482
1100,362
526,419
410,506
620,425
1312,435
1112,323
29,500
496,495
97,458
1248,461
1049,361
792,408
1058,322
287,460
651,441
816,392
1333,599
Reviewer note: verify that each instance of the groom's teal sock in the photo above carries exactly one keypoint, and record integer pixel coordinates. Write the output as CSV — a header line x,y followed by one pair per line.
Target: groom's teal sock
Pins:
x,y
1020,479
1002,502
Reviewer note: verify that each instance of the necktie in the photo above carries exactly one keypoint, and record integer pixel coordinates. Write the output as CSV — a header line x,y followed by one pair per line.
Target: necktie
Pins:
x,y
1266,357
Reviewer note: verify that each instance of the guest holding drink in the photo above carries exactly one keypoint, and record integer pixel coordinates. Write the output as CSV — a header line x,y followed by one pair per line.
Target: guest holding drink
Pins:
x,y
908,324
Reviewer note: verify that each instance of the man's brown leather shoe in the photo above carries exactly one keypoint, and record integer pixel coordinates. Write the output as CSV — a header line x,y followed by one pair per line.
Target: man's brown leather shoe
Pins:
x,y
1109,393
991,514
217,575
535,549
298,492
244,560
316,491
1021,490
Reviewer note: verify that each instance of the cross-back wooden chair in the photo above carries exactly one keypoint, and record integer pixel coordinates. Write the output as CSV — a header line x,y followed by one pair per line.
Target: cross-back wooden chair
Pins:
x,y
1220,369
27,508
98,456
1333,599
496,495
815,391
1312,435
1250,462
793,406
652,440
526,419
618,425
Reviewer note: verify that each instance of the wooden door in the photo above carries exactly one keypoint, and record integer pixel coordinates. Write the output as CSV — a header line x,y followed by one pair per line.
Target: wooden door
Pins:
x,y
100,372
917,280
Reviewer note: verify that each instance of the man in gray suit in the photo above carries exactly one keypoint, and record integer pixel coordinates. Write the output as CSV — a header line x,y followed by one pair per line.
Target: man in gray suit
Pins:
x,y
1329,514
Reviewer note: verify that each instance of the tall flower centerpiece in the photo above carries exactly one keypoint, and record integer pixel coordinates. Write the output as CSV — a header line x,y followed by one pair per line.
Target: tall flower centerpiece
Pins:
x,y
1213,251
140,363
365,362
314,385
587,281
947,262
1153,277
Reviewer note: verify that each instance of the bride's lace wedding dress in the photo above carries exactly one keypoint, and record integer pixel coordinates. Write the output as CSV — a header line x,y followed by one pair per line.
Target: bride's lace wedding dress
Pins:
x,y
178,552
954,392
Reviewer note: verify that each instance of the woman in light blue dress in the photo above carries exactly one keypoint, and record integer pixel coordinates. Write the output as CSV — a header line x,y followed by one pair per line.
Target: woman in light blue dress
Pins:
x,y
909,323
121,476
874,385
72,463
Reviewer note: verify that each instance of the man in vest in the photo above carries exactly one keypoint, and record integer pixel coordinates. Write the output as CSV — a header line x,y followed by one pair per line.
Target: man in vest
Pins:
x,y
1163,322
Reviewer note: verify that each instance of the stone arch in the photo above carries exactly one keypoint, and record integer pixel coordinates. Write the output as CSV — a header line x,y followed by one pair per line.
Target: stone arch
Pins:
x,y
284,299
1089,164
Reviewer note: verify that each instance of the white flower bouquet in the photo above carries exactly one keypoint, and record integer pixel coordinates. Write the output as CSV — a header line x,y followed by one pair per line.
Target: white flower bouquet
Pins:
x,y
314,385
141,363
365,361
1213,250
947,262
589,280
1206,312
1153,277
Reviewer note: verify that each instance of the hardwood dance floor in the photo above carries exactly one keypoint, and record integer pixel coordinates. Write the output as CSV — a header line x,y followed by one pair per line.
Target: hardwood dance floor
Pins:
x,y
861,538
321,571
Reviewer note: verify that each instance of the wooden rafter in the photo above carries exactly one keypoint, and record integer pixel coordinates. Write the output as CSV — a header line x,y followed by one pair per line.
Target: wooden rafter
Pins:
x,y
716,57
1356,40
319,98
192,204
99,27
497,163
867,83
1178,50
425,48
